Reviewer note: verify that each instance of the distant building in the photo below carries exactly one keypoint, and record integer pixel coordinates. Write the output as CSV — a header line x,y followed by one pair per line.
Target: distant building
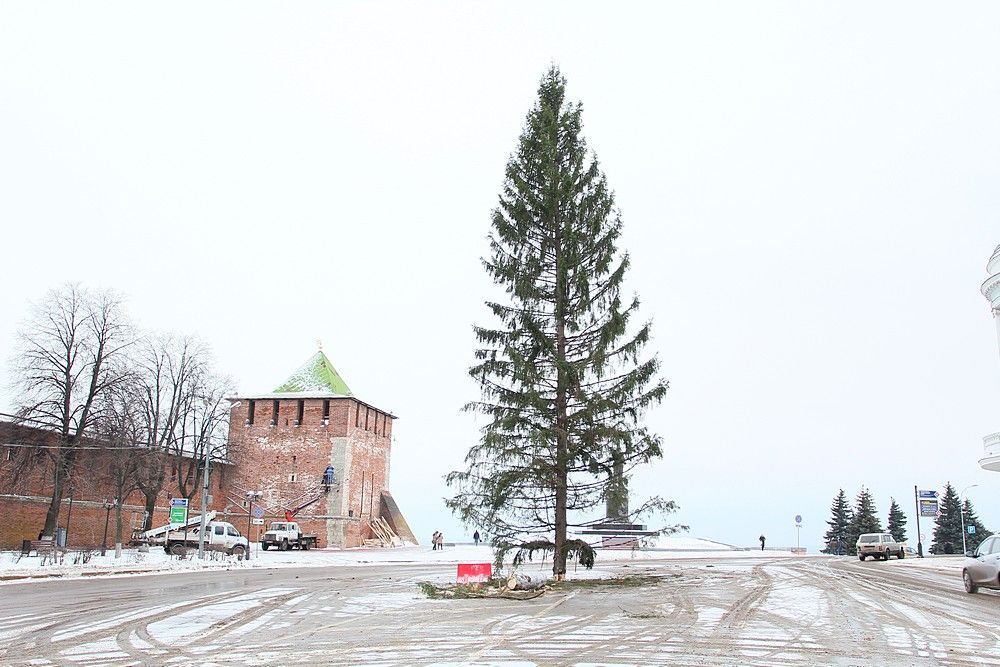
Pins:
x,y
282,442
991,290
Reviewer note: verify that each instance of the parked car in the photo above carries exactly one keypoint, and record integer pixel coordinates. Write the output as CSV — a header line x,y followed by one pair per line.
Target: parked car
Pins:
x,y
879,545
982,566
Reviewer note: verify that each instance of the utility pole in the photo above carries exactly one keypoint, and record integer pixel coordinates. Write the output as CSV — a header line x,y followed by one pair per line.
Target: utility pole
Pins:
x,y
107,517
69,515
251,497
204,502
916,502
961,514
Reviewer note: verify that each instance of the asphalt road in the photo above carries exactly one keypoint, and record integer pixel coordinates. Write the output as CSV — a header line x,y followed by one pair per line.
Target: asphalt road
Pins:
x,y
748,611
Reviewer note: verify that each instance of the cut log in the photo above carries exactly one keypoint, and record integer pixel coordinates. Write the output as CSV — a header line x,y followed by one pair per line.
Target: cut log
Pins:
x,y
523,582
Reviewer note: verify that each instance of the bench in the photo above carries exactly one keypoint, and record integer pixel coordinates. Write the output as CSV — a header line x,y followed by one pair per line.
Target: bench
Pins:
x,y
40,547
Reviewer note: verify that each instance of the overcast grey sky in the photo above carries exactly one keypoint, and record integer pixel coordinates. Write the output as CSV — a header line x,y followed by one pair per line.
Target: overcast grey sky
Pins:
x,y
809,193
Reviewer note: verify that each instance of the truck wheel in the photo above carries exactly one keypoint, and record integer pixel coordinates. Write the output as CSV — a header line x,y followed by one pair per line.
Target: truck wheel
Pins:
x,y
238,551
284,545
176,548
264,545
861,557
305,546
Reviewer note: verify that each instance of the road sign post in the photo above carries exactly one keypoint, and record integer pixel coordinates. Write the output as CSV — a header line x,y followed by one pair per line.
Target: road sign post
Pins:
x,y
927,505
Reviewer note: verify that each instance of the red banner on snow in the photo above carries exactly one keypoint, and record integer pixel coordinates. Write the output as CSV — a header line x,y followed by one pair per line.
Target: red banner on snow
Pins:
x,y
469,573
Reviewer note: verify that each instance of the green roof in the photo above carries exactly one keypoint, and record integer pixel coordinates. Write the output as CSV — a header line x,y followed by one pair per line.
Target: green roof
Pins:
x,y
318,375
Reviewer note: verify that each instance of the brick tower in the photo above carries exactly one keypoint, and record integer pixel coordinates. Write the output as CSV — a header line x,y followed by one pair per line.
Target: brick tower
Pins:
x,y
282,442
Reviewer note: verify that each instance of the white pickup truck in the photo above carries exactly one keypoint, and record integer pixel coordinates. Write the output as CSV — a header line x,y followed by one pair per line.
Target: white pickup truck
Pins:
x,y
219,536
286,535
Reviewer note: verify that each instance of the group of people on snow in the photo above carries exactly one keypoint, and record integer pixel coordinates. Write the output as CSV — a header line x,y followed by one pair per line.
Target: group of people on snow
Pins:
x,y
437,540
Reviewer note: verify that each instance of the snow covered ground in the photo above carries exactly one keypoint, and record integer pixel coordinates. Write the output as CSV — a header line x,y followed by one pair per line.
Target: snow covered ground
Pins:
x,y
14,567
759,609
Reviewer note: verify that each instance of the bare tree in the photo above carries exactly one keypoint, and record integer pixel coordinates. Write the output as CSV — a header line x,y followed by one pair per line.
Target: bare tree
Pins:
x,y
203,428
66,364
122,431
168,368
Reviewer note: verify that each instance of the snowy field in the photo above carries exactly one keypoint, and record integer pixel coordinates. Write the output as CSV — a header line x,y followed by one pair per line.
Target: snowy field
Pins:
x,y
759,609
14,567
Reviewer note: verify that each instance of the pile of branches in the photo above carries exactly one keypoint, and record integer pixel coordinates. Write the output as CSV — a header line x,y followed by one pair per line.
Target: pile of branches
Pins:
x,y
515,587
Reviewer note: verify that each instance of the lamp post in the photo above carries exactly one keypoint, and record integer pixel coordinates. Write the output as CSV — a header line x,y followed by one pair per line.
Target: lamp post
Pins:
x,y
69,514
107,516
251,497
961,513
209,450
204,501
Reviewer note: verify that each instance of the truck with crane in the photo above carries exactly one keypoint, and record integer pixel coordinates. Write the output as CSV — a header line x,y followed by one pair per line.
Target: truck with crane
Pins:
x,y
219,536
287,534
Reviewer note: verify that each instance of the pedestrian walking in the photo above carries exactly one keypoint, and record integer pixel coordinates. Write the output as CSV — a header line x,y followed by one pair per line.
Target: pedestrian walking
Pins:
x,y
441,541
762,540
434,541
475,537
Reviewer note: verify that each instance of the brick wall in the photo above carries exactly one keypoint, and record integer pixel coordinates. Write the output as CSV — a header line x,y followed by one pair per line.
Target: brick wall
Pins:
x,y
25,492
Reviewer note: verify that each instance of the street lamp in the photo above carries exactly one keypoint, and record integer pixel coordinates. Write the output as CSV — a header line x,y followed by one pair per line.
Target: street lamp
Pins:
x,y
251,497
961,513
209,450
69,515
107,515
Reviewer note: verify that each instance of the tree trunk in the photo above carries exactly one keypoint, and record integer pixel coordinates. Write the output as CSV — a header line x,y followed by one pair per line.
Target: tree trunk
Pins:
x,y
147,522
58,482
118,528
562,435
523,582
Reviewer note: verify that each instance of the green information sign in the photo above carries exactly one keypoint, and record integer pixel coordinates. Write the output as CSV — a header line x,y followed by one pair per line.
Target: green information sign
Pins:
x,y
179,511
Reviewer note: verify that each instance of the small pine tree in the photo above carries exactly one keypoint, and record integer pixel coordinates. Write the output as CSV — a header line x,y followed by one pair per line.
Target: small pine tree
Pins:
x,y
948,526
897,521
972,540
865,520
840,519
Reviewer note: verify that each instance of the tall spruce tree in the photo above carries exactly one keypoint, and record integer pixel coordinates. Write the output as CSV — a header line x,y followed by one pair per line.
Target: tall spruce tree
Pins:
x,y
840,519
865,520
948,526
973,539
897,521
564,384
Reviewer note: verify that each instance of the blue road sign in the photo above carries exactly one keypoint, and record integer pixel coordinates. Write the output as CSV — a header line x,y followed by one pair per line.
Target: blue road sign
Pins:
x,y
178,502
928,507
258,512
928,494
972,530
798,518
